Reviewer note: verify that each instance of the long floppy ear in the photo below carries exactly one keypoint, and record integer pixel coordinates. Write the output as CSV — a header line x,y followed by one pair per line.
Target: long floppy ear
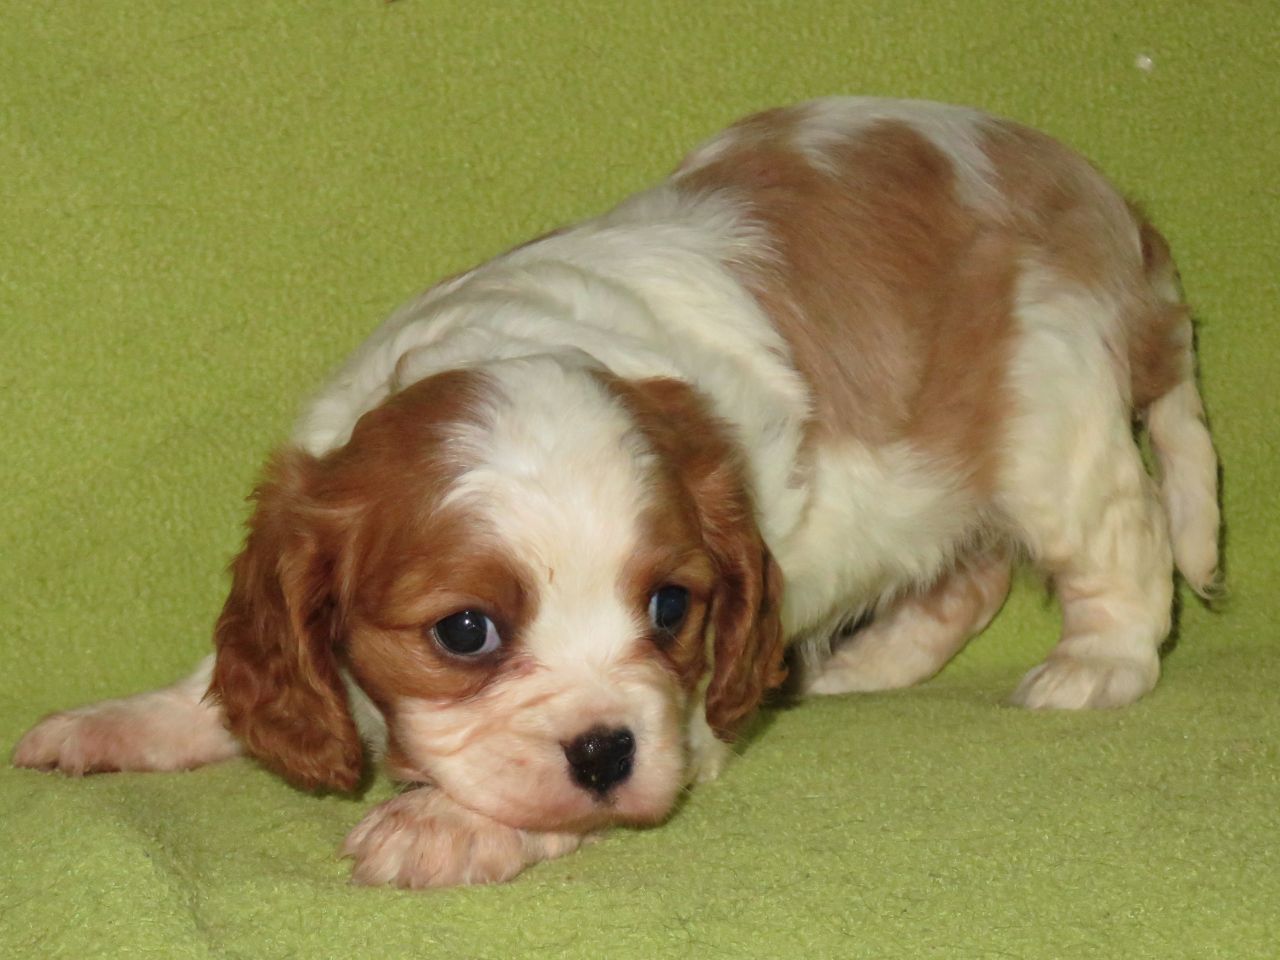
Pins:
x,y
745,609
276,673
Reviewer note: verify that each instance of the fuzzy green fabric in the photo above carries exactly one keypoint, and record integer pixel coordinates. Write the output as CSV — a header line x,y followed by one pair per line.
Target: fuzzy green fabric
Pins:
x,y
206,205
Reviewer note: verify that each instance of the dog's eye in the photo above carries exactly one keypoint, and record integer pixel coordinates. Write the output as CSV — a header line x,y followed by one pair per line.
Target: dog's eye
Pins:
x,y
467,633
667,607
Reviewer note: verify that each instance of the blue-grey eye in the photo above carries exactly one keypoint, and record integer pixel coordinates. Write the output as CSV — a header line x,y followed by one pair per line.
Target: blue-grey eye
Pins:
x,y
667,607
467,633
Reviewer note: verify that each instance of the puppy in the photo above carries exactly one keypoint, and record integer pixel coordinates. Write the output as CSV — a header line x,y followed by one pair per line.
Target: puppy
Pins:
x,y
542,542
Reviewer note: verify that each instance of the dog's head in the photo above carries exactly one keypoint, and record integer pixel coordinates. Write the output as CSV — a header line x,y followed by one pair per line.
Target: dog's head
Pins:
x,y
535,571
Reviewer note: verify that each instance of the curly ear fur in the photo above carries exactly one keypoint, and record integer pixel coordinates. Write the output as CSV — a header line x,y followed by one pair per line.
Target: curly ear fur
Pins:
x,y
276,673
749,643
745,608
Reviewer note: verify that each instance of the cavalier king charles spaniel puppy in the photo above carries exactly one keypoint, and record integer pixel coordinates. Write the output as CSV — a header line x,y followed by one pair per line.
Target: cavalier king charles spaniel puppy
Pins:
x,y
542,543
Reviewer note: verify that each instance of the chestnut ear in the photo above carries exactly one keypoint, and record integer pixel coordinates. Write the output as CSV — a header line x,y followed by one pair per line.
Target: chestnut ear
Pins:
x,y
745,609
748,649
276,672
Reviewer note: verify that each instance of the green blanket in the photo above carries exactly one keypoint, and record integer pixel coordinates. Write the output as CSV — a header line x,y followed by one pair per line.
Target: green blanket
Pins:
x,y
206,205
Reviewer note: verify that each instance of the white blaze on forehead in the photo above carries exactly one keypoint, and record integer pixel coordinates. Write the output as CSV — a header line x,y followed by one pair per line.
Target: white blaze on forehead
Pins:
x,y
560,474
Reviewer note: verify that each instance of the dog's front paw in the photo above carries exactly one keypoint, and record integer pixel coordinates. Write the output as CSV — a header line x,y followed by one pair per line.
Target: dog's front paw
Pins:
x,y
74,742
164,730
1077,683
422,838
708,754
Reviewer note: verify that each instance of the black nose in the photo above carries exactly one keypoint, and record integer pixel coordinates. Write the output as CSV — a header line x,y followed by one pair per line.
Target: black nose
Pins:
x,y
601,758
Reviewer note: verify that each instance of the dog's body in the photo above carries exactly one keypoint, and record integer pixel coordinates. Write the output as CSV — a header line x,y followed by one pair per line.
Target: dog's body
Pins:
x,y
548,529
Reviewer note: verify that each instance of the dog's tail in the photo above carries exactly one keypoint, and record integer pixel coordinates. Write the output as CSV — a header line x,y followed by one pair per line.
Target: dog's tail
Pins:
x,y
1188,483
1163,354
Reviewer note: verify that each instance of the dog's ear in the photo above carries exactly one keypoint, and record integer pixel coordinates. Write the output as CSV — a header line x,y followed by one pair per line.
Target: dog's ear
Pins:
x,y
276,672
745,609
748,644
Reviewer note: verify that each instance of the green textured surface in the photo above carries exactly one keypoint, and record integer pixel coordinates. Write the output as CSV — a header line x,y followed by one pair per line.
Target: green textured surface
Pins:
x,y
205,206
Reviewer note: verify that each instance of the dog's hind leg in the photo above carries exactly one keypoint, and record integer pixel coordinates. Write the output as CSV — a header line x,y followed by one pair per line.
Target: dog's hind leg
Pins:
x,y
920,631
1115,585
1081,501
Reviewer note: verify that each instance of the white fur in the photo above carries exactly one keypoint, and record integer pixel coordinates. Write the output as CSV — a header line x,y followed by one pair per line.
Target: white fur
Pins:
x,y
1081,502
643,291
370,723
918,632
707,754
424,838
955,131
173,728
1188,482
877,520
822,125
572,525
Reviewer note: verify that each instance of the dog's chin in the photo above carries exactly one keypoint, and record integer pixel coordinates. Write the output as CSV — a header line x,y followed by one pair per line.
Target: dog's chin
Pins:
x,y
561,807
577,815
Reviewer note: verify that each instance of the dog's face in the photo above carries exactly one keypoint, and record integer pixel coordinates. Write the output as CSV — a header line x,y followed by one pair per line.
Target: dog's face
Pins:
x,y
531,571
